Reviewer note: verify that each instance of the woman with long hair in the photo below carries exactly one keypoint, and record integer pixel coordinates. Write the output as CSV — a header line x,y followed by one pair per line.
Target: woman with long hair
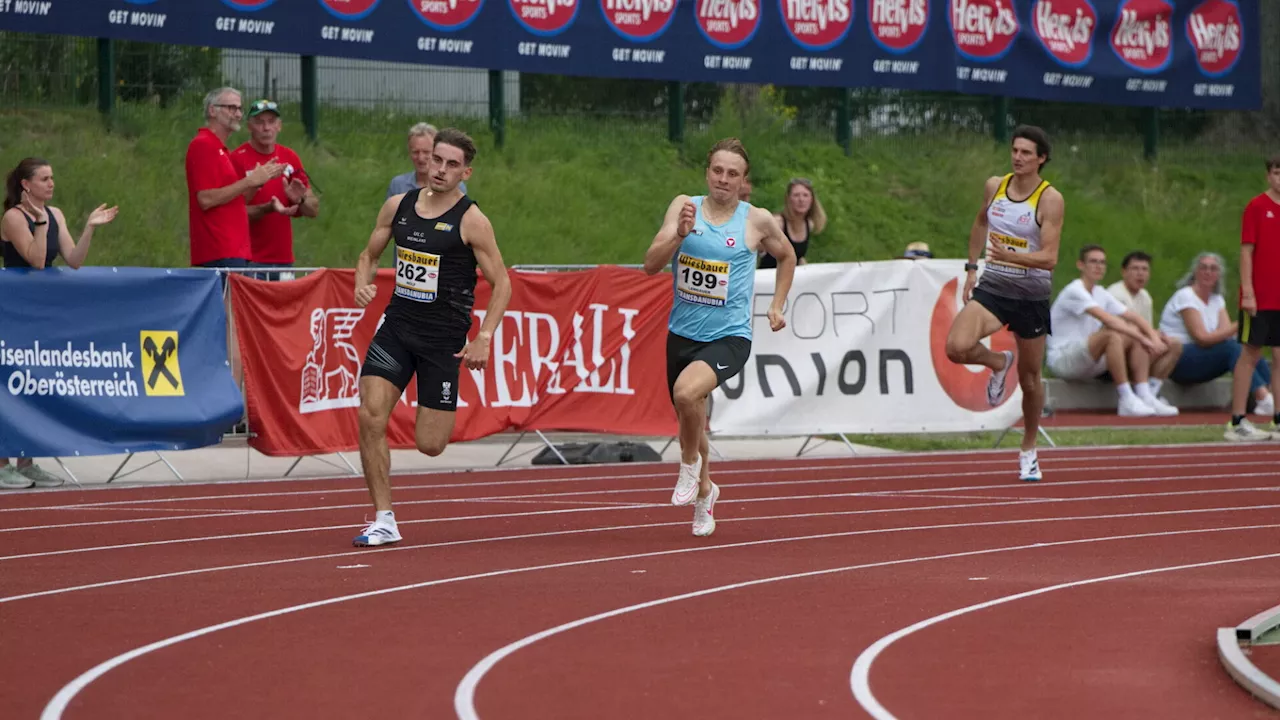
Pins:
x,y
33,235
802,216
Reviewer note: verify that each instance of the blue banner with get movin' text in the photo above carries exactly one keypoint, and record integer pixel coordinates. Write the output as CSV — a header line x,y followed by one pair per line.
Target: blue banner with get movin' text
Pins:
x,y
100,361
1165,53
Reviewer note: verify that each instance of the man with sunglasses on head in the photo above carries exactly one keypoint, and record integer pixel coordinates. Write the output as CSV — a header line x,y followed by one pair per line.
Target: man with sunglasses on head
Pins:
x,y
272,207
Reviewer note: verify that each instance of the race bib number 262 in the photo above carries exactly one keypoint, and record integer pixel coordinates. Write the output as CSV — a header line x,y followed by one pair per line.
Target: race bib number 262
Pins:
x,y
705,282
417,275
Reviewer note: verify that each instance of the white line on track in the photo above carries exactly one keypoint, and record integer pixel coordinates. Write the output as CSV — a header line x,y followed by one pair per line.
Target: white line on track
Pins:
x,y
859,677
787,483
58,704
1090,464
584,531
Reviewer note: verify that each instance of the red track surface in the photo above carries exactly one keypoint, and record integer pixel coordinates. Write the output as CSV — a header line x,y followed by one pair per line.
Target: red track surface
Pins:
x,y
792,609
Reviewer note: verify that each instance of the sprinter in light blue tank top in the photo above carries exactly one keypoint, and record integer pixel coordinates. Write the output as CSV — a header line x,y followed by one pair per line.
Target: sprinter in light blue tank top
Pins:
x,y
711,242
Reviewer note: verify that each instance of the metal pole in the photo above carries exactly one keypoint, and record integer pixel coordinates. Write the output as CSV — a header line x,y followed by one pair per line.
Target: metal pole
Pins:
x,y
497,108
310,99
106,78
675,112
844,120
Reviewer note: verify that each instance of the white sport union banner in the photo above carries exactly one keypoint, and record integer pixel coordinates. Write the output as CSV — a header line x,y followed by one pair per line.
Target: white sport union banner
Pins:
x,y
864,351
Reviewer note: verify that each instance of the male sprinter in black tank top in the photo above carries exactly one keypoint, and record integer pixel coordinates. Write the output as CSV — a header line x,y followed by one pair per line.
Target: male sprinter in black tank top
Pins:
x,y
440,237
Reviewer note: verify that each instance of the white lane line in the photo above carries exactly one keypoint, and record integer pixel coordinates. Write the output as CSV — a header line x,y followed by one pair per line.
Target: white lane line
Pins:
x,y
58,704
859,677
629,491
1090,464
584,531
464,695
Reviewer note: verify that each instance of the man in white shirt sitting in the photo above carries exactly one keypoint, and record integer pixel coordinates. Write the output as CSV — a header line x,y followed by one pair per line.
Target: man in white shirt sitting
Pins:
x,y
1131,290
1094,333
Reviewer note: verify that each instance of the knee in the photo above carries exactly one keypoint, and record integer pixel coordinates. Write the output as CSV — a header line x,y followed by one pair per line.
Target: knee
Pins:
x,y
371,421
431,447
1029,380
956,353
686,399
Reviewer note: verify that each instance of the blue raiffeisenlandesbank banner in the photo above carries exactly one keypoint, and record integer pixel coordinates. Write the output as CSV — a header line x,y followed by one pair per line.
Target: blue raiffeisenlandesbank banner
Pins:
x,y
1188,53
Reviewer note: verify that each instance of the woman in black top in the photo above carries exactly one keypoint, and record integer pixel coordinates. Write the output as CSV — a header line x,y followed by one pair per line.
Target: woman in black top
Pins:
x,y
801,217
32,232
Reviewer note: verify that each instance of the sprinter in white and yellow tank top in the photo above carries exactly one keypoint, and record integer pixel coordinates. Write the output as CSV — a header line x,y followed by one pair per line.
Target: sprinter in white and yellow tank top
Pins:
x,y
1020,225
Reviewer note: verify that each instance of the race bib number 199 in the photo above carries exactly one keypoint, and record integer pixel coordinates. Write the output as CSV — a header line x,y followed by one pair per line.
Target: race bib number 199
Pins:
x,y
417,275
705,282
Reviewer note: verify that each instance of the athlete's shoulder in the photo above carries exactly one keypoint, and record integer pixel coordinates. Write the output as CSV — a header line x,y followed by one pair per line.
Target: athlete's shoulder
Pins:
x,y
474,220
1052,195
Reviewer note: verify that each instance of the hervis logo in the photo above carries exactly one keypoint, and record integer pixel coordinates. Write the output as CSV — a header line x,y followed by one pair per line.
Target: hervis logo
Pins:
x,y
161,374
966,388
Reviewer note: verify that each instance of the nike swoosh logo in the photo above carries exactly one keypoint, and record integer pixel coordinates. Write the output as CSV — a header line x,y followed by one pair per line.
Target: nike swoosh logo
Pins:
x,y
721,367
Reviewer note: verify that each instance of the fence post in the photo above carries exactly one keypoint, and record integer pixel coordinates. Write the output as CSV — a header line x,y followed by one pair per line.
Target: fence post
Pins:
x,y
675,112
106,78
310,99
497,107
844,121
1150,132
1000,119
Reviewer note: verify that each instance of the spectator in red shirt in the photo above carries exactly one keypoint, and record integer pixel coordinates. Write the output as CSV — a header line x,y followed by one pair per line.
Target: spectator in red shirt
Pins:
x,y
1259,303
219,222
272,207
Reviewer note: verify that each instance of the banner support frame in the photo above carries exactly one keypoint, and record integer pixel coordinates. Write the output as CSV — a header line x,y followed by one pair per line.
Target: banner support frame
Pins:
x,y
129,457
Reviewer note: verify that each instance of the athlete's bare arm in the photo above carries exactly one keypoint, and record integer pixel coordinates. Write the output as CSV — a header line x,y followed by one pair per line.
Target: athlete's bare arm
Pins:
x,y
978,234
1052,208
776,244
675,226
477,233
367,266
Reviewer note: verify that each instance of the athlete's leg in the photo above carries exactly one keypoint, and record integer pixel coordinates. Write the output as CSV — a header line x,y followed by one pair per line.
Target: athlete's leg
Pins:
x,y
433,429
692,387
964,342
378,398
1030,359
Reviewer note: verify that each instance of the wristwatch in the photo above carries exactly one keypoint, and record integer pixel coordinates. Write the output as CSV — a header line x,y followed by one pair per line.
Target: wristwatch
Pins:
x,y
970,266
42,222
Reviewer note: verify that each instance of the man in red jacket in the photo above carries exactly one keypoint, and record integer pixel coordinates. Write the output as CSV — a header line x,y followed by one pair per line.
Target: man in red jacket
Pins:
x,y
272,207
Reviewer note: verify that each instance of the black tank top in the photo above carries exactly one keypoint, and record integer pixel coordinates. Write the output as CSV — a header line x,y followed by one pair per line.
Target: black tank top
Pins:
x,y
14,259
435,275
769,261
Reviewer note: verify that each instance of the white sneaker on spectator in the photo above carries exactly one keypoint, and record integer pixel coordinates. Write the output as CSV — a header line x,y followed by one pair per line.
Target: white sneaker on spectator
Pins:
x,y
1160,407
1133,406
1246,432
1266,407
12,479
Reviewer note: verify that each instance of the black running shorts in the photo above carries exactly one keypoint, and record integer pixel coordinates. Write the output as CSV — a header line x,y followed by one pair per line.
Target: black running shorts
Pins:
x,y
726,357
392,358
1260,330
1028,319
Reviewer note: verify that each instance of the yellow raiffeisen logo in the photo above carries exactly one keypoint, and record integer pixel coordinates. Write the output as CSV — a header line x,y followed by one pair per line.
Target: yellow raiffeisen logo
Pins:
x,y
160,371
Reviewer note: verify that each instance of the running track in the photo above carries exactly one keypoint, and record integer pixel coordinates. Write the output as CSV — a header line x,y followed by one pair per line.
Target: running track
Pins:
x,y
914,586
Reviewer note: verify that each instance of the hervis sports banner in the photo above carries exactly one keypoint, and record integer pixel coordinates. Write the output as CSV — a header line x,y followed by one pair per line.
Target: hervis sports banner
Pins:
x,y
113,360
864,351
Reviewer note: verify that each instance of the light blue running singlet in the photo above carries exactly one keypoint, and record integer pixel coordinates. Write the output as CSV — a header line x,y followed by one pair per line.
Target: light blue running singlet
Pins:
x,y
714,277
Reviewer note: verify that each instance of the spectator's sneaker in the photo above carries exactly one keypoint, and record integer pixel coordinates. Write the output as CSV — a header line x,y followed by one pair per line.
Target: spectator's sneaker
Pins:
x,y
995,386
11,479
1247,432
704,520
40,477
1029,466
1266,406
1161,408
1133,406
687,485
378,533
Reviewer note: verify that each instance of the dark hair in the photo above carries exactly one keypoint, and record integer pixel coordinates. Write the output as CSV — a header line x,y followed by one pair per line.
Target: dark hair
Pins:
x,y
1273,162
730,145
460,140
13,183
1037,136
1084,251
1135,255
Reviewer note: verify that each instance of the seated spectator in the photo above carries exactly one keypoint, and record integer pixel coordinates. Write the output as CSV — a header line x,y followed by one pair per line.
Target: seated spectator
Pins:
x,y
33,234
1093,333
916,250
1131,290
1197,316
422,139
801,217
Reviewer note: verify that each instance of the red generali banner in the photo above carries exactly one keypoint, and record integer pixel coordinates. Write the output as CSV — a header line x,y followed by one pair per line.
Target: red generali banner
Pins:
x,y
582,351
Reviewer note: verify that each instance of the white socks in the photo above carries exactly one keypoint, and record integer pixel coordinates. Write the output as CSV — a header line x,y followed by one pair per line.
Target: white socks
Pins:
x,y
1125,390
1143,390
1154,384
386,516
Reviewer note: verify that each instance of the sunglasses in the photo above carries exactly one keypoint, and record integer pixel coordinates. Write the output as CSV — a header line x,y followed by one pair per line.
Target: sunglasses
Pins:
x,y
264,105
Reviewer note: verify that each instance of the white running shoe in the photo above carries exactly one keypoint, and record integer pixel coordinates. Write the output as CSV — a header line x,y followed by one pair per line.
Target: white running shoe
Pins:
x,y
1161,408
704,520
1247,432
687,486
995,386
1029,466
1134,406
1267,407
378,533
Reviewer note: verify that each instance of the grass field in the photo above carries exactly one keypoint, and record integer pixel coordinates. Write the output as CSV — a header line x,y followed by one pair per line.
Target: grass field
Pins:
x,y
578,191
1091,437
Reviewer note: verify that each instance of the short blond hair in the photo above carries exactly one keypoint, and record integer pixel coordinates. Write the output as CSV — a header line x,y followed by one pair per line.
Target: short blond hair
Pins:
x,y
730,145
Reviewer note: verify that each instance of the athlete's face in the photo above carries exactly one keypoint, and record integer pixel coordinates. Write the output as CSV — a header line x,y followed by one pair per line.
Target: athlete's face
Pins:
x,y
1093,267
1025,159
1273,179
725,176
448,168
